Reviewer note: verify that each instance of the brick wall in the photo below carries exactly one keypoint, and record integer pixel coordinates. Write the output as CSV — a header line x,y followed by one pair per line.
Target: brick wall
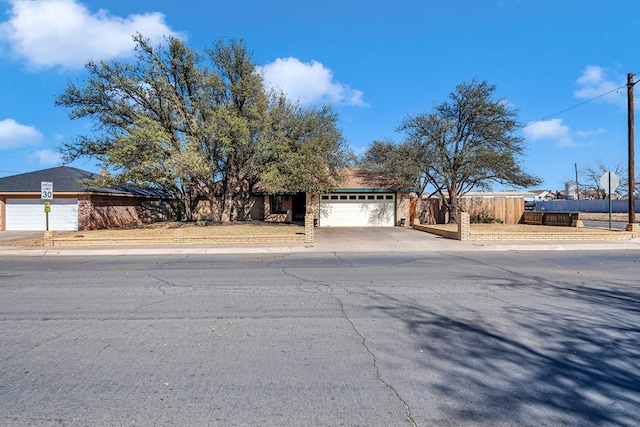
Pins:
x,y
403,210
85,208
95,212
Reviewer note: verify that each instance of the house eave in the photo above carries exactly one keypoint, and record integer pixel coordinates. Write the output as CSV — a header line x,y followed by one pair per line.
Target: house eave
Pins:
x,y
374,190
73,194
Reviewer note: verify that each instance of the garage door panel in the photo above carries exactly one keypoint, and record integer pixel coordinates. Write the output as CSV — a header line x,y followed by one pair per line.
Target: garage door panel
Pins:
x,y
28,214
371,212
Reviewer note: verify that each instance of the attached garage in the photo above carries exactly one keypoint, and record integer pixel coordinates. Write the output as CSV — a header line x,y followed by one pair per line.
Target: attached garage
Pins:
x,y
363,199
28,214
75,205
357,210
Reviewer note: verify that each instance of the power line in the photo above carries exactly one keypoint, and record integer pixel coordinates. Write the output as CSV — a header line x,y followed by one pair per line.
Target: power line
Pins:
x,y
577,105
582,103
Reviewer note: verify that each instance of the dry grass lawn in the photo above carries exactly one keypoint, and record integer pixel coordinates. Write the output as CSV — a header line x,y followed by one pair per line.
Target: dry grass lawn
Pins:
x,y
168,229
523,228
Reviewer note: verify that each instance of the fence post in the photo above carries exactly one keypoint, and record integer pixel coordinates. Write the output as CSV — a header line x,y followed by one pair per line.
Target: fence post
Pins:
x,y
463,226
48,237
309,236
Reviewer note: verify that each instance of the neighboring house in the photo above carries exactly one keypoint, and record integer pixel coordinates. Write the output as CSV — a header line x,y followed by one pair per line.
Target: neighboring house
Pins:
x,y
504,194
541,195
75,206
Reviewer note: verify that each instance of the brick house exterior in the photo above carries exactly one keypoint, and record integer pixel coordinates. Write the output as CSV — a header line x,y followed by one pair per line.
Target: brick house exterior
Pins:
x,y
86,208
358,189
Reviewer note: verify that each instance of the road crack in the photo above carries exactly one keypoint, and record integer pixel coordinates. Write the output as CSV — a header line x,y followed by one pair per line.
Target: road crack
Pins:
x,y
320,287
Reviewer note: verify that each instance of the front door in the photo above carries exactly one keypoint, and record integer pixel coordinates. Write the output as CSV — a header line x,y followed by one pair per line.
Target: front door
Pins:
x,y
299,207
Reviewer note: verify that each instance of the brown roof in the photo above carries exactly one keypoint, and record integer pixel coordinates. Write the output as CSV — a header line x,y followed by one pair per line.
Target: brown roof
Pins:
x,y
361,179
357,180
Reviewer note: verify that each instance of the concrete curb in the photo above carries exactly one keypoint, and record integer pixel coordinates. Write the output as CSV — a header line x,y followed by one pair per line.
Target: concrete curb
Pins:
x,y
443,245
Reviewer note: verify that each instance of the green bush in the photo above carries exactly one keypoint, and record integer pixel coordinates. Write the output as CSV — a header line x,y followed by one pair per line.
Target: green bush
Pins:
x,y
484,219
177,211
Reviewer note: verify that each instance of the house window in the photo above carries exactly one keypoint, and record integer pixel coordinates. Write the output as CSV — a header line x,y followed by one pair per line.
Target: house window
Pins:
x,y
276,204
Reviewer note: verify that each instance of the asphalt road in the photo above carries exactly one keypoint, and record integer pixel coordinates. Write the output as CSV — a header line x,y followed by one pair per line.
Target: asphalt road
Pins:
x,y
345,339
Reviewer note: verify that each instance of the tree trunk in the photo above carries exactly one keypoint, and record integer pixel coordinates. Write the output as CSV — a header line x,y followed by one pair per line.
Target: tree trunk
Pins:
x,y
212,206
187,204
227,206
453,207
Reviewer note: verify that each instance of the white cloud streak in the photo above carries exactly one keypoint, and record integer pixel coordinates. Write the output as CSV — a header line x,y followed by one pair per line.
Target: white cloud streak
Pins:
x,y
590,133
49,33
595,82
549,130
309,83
48,157
14,135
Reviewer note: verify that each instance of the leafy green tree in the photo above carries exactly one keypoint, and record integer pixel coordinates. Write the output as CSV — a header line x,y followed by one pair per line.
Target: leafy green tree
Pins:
x,y
199,125
151,117
468,142
401,161
307,151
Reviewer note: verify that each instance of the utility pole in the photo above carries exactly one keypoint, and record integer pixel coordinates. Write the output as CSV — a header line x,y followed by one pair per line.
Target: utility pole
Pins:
x,y
577,185
631,226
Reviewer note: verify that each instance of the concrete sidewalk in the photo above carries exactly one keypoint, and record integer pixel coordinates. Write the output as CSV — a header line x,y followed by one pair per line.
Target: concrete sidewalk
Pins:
x,y
383,240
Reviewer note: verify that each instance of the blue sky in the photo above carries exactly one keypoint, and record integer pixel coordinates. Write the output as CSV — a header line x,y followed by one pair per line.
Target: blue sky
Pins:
x,y
375,61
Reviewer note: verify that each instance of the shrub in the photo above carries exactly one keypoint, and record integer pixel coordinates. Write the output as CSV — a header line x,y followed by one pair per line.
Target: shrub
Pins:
x,y
484,219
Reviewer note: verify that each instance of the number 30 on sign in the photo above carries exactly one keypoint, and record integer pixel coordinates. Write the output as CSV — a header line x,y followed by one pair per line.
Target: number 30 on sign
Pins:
x,y
46,190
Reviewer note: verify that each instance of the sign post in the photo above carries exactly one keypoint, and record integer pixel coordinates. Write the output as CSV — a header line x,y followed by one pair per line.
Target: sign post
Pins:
x,y
609,182
46,191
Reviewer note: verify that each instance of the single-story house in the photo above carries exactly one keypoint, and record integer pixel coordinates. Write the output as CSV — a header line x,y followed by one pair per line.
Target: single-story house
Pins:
x,y
75,206
363,199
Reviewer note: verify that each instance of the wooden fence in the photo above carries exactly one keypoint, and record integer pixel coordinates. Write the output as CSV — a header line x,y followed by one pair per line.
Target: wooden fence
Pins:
x,y
507,210
567,219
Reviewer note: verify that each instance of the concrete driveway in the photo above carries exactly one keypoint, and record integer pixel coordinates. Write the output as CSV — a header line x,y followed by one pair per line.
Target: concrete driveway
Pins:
x,y
368,239
372,234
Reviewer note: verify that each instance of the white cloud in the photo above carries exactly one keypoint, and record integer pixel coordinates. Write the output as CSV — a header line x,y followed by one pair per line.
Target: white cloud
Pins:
x,y
50,33
48,157
588,133
551,130
14,135
308,83
596,82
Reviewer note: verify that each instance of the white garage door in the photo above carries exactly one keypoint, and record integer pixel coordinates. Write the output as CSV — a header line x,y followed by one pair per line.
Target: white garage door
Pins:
x,y
28,214
357,210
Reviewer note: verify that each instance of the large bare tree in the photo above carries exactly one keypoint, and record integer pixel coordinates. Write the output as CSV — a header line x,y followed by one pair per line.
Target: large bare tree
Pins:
x,y
591,174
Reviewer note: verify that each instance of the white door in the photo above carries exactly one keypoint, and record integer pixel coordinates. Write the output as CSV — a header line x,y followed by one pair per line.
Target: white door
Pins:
x,y
357,210
28,214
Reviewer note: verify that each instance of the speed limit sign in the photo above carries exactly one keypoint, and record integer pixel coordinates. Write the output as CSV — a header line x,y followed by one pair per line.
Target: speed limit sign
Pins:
x,y
46,189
